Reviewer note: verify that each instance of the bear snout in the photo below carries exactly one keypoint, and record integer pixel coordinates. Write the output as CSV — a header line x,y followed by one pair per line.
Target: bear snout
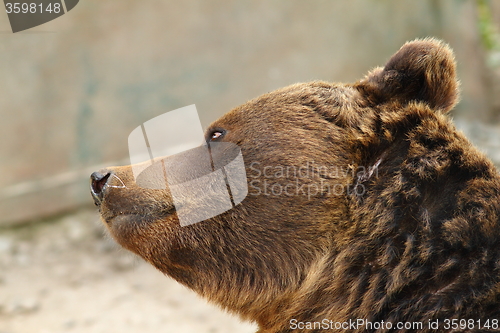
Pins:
x,y
116,192
98,181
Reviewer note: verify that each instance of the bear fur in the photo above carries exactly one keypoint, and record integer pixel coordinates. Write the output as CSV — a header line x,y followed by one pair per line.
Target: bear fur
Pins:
x,y
403,229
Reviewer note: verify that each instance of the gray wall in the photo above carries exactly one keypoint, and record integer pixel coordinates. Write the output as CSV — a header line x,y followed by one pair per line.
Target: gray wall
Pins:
x,y
74,88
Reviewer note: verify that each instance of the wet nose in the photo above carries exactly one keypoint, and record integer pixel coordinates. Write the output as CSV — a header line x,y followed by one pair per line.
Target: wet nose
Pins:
x,y
98,182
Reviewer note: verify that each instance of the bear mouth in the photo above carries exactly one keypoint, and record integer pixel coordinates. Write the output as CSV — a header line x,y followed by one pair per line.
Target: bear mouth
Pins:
x,y
138,217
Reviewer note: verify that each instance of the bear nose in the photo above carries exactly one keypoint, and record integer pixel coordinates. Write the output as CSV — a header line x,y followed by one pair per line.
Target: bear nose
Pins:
x,y
98,182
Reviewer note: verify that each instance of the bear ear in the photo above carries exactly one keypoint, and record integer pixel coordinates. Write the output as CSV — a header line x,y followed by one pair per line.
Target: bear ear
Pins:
x,y
422,70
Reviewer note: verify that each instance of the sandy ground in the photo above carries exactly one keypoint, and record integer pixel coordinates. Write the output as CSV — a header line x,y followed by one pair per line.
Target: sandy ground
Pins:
x,y
65,275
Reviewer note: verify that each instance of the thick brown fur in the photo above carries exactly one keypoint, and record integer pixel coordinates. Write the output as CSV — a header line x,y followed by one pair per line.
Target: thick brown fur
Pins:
x,y
419,242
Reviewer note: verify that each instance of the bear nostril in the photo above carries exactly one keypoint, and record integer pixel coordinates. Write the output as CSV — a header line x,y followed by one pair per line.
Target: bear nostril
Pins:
x,y
98,182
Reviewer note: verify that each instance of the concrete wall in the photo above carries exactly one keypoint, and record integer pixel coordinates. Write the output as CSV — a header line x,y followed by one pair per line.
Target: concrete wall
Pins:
x,y
74,88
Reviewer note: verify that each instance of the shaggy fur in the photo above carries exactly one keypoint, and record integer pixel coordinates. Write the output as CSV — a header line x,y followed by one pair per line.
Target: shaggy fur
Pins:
x,y
404,229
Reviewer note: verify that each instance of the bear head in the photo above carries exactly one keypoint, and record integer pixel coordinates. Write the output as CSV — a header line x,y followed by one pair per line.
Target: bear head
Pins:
x,y
363,201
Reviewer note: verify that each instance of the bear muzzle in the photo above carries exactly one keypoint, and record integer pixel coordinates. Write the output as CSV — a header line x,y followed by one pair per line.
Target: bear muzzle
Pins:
x,y
116,193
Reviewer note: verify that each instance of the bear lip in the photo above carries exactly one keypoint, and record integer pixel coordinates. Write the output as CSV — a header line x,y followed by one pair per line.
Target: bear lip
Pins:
x,y
145,216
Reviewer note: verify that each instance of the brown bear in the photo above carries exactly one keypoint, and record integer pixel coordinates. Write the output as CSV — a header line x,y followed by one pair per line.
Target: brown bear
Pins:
x,y
367,210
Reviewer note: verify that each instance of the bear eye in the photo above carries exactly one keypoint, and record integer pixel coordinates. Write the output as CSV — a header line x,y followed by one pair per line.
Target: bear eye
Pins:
x,y
216,135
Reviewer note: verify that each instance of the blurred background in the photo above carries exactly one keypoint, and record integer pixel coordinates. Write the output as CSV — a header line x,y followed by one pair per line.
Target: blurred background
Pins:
x,y
74,88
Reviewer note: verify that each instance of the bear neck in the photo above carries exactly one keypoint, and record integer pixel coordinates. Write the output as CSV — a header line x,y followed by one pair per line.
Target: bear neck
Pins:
x,y
424,240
